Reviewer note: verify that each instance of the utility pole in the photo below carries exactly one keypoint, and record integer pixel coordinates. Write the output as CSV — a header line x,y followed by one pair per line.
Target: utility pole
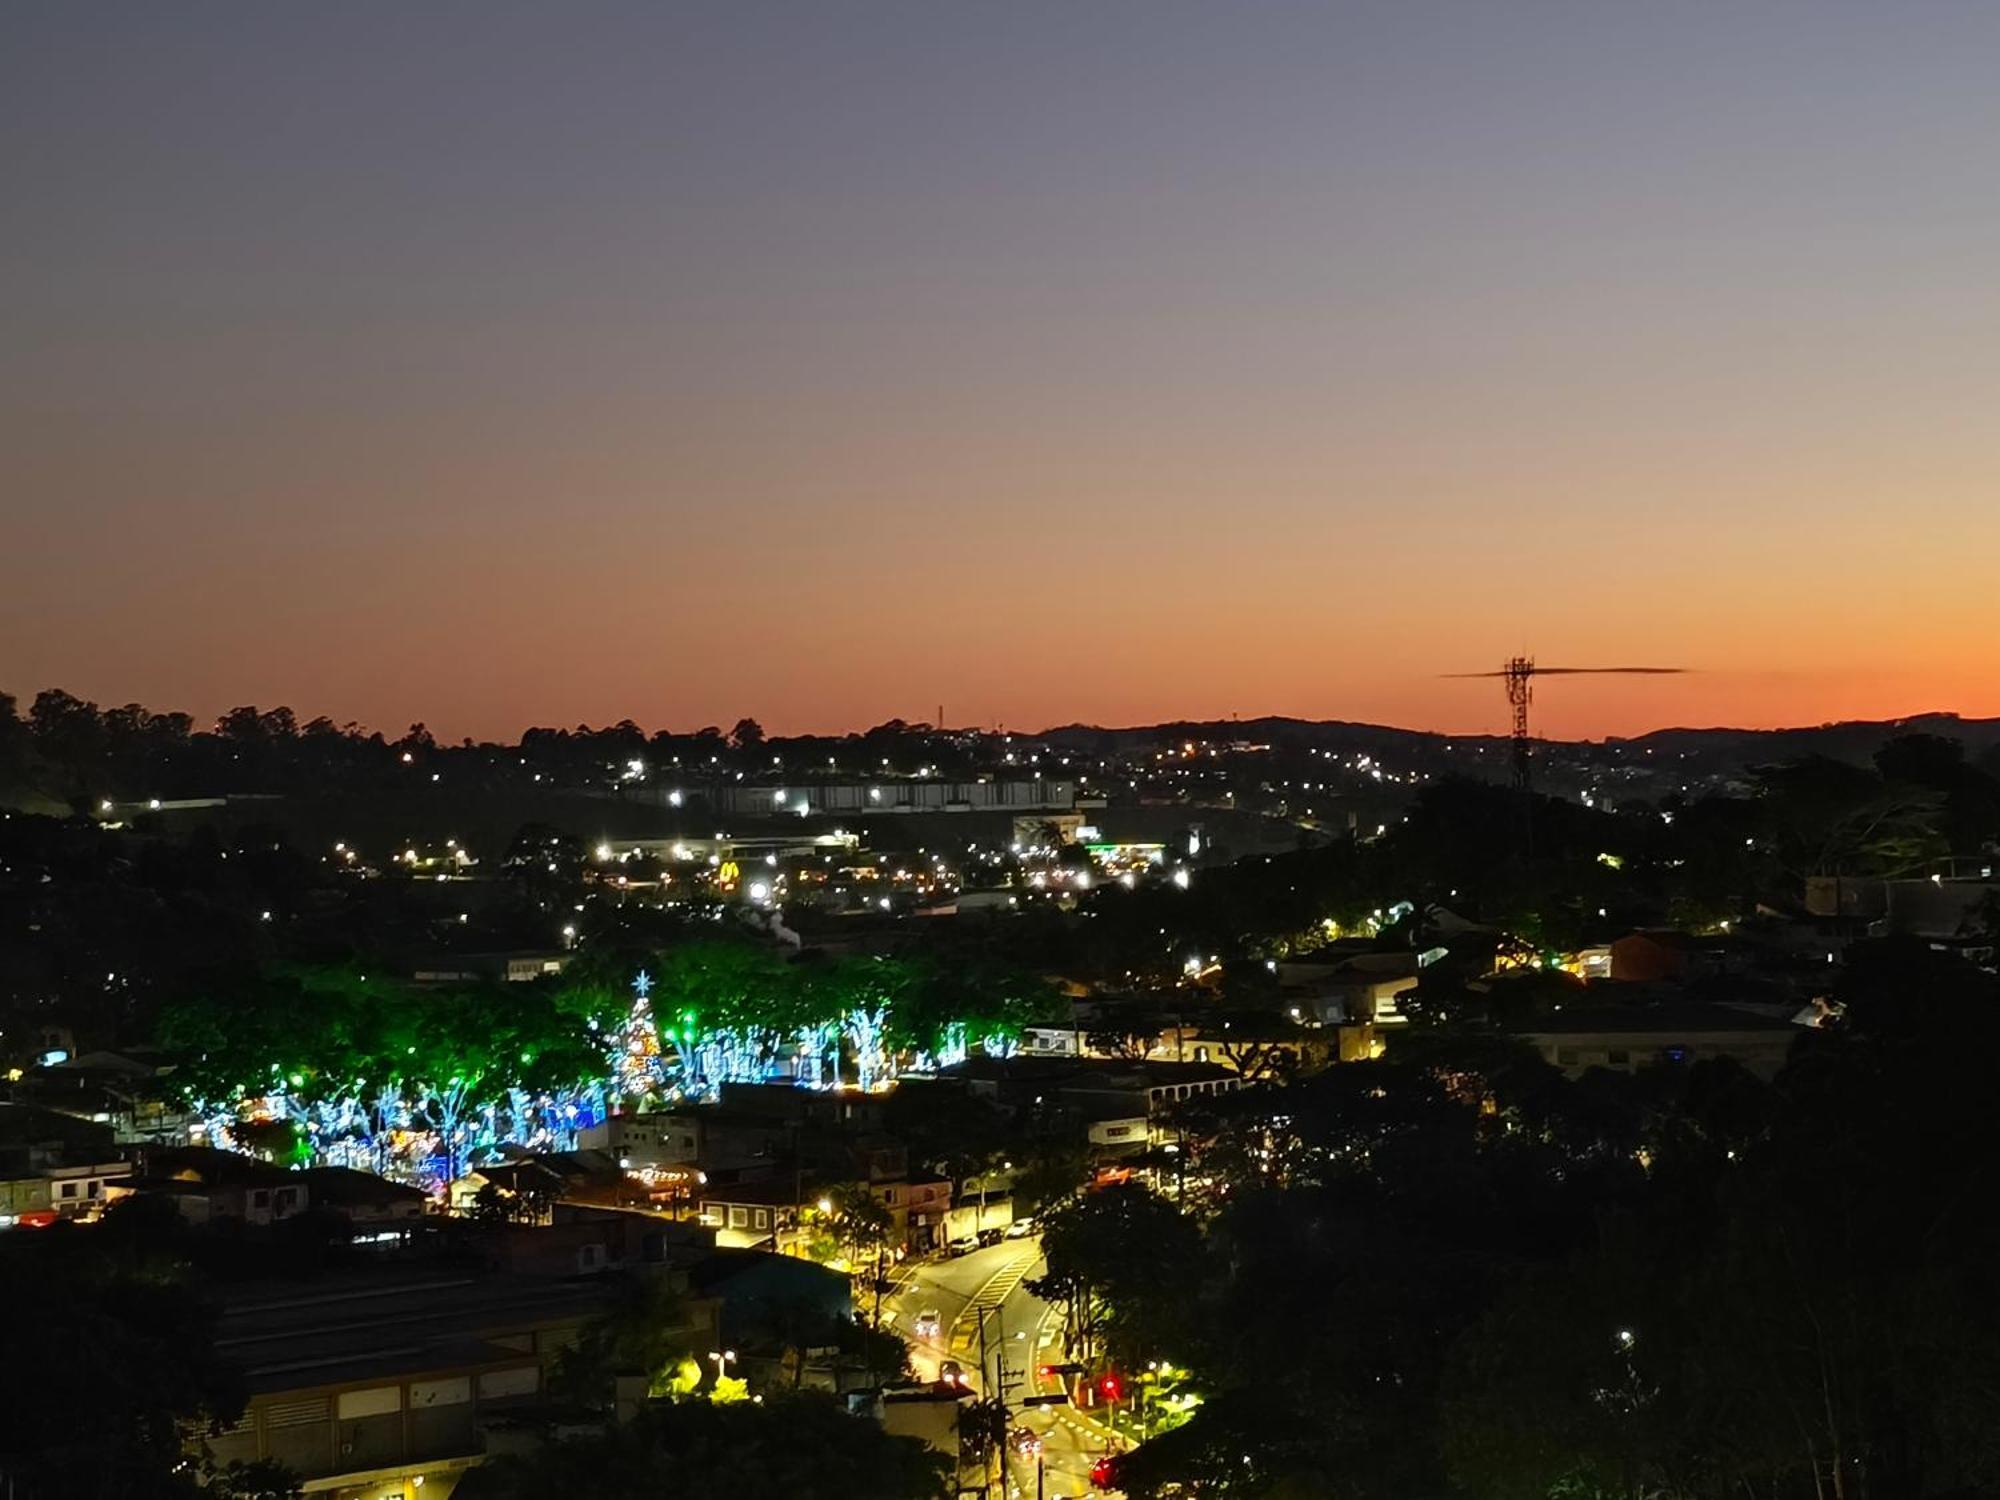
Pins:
x,y
985,1465
1000,1355
981,1325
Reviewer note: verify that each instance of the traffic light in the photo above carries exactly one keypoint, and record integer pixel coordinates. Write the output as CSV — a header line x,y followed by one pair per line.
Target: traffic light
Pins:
x,y
1110,1387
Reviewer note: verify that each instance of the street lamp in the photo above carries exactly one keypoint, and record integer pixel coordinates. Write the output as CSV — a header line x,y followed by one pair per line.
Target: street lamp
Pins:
x,y
722,1358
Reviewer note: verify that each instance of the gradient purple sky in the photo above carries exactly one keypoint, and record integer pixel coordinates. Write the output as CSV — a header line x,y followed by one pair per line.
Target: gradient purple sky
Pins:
x,y
495,364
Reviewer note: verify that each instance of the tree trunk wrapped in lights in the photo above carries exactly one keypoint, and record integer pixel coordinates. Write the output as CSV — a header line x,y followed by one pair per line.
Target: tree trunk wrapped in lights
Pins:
x,y
329,1065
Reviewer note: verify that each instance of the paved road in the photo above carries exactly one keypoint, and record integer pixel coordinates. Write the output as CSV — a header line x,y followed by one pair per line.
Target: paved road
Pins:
x,y
985,1288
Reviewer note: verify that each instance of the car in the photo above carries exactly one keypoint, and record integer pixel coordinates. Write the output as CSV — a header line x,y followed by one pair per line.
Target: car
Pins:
x,y
929,1324
1025,1442
951,1372
989,1237
965,1244
1020,1229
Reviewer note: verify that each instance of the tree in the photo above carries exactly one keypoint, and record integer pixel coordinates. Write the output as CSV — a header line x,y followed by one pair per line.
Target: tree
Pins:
x,y
848,1223
13,745
1126,1029
645,1332
544,864
1834,819
1796,1301
747,736
1258,1045
982,1436
1050,1167
356,1063
1127,1267
114,1358
788,1447
945,1128
1922,760
492,1204
68,733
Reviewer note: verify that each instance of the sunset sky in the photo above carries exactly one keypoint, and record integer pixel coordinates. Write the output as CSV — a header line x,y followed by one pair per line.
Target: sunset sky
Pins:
x,y
494,365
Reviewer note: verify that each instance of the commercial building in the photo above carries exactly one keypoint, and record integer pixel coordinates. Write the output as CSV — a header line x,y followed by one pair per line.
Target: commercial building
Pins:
x,y
385,1383
853,798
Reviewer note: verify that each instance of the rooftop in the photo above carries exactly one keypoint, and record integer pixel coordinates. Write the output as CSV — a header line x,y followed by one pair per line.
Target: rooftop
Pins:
x,y
338,1186
1087,1072
370,1324
1649,1020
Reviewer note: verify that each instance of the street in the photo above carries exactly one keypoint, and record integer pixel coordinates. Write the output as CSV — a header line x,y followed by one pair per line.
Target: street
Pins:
x,y
985,1290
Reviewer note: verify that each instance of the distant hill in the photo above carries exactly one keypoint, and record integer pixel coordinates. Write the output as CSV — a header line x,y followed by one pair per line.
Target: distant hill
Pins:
x,y
1852,740
1271,730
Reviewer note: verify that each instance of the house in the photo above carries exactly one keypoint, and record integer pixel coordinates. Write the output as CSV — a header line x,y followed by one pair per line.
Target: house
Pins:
x,y
364,1199
656,1138
79,1191
1019,1082
34,1137
516,967
115,1089
207,1185
583,1240
804,1106
720,1139
755,1215
1355,987
1110,1029
54,1165
931,1414
1627,1038
1941,905
1055,1039
1655,957
918,1210
756,1293
764,1212
1113,1105
551,1177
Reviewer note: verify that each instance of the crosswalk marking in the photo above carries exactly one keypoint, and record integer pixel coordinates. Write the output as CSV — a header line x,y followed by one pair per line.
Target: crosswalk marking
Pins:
x,y
1002,1284
994,1291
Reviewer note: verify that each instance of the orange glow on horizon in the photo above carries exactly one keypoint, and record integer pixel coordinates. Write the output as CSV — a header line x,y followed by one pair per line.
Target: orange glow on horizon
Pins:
x,y
826,365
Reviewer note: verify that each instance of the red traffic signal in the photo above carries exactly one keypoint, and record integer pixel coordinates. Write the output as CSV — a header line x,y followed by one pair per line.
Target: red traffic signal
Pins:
x,y
1110,1387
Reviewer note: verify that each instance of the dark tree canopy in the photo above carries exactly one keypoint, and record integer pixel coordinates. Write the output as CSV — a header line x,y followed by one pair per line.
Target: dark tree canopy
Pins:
x,y
799,1447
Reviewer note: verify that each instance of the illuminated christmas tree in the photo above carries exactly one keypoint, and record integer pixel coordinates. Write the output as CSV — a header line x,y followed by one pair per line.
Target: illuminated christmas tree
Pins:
x,y
638,1067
